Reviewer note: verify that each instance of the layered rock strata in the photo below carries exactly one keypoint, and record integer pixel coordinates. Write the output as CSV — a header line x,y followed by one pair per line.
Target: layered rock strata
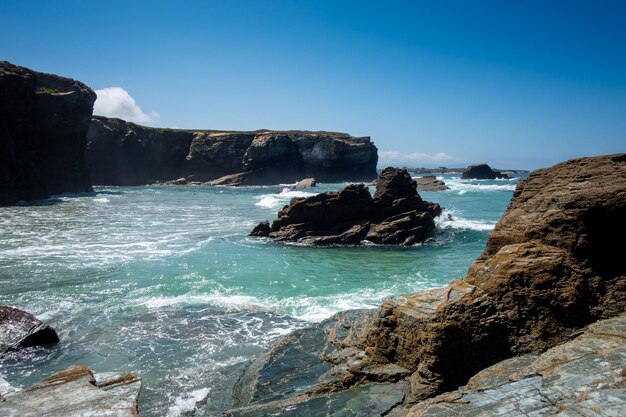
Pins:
x,y
396,214
76,392
482,172
124,153
20,329
43,125
550,268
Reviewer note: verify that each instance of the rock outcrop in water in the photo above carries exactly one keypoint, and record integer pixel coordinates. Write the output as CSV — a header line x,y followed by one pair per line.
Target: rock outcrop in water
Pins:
x,y
430,183
76,392
43,124
550,268
481,172
395,215
20,329
124,153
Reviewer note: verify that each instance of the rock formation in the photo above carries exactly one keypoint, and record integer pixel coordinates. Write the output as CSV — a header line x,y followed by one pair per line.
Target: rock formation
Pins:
x,y
76,392
430,183
550,268
305,183
20,329
395,215
481,172
123,153
43,124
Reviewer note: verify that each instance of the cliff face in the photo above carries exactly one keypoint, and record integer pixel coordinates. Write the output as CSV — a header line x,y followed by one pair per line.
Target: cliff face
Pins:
x,y
43,123
123,153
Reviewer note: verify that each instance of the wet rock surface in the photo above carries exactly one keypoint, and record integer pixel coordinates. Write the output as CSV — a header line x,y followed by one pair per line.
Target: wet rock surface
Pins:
x,y
124,153
395,215
20,329
305,183
481,172
43,124
76,392
430,183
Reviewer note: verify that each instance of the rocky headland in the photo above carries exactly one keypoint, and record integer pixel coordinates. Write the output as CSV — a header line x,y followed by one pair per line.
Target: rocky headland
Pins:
x,y
396,214
482,172
550,269
43,125
124,153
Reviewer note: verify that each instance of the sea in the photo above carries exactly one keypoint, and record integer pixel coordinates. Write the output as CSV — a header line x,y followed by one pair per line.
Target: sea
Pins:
x,y
164,281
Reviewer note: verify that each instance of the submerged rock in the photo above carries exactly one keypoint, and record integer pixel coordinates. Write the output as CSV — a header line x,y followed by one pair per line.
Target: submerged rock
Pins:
x,y
124,153
395,215
482,172
76,392
20,329
43,125
430,183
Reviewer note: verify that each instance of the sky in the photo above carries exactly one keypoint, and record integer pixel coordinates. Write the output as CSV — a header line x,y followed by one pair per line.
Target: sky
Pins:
x,y
516,84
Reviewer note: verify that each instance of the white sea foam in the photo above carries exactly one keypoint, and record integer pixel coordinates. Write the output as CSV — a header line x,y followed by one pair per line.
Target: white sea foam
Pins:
x,y
456,184
187,402
449,220
101,200
273,201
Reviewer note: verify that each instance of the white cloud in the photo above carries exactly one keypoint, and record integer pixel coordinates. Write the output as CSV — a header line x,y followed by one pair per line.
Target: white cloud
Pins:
x,y
116,102
395,157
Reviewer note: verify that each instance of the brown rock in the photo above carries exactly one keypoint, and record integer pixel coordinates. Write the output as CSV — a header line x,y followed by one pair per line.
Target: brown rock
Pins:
x,y
395,215
20,329
430,183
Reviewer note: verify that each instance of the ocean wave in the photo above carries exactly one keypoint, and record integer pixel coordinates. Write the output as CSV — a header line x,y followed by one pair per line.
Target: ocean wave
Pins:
x,y
187,402
456,184
273,201
449,220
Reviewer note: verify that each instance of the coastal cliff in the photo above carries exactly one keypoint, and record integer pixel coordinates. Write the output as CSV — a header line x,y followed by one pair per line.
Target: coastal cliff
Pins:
x,y
550,268
124,153
43,125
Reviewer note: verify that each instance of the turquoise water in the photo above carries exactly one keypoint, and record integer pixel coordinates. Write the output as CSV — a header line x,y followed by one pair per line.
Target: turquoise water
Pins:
x,y
163,280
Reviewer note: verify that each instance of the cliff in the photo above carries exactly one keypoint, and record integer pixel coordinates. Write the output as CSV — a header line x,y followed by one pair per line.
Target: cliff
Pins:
x,y
550,268
43,125
124,153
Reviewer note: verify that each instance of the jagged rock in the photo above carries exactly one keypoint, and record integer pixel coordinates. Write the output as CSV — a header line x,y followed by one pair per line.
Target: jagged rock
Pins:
x,y
582,377
124,153
76,392
549,269
20,329
481,172
395,215
305,183
261,230
430,183
43,123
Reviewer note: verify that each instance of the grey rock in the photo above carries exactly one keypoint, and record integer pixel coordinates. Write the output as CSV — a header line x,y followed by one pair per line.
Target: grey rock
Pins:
x,y
76,392
430,183
482,172
305,183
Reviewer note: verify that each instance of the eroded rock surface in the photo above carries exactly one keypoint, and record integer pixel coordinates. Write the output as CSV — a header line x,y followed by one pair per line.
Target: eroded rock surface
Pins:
x,y
395,215
482,172
20,329
124,153
430,183
43,124
76,392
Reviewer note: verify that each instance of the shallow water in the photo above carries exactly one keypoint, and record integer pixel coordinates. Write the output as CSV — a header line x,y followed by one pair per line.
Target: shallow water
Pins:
x,y
163,280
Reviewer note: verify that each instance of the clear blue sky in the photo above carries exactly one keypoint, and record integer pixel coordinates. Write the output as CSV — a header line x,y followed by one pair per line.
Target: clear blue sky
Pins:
x,y
512,83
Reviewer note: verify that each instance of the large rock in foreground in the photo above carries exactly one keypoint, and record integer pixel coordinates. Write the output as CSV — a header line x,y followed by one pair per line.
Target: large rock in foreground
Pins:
x,y
482,172
20,329
124,153
76,392
43,125
395,215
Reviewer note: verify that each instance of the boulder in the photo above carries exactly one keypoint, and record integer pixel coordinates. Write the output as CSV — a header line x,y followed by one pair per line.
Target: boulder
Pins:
x,y
482,172
395,215
124,153
305,183
76,392
430,183
43,125
20,329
